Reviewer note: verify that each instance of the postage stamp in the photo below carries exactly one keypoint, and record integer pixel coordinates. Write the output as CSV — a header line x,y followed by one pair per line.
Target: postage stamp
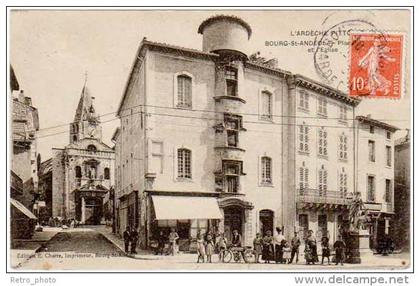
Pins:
x,y
375,65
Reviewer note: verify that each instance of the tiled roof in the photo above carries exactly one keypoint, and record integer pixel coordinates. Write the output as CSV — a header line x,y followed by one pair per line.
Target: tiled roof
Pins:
x,y
368,120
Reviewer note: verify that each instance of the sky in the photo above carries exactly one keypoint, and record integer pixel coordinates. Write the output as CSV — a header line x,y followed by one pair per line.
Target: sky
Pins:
x,y
51,51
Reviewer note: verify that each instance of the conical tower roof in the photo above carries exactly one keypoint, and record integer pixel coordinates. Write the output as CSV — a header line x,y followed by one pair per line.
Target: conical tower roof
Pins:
x,y
85,109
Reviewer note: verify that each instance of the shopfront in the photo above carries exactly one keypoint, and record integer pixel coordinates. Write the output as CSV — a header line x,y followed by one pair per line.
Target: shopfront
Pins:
x,y
188,215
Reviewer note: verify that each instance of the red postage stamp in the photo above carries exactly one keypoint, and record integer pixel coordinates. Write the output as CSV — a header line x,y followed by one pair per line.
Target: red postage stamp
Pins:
x,y
376,65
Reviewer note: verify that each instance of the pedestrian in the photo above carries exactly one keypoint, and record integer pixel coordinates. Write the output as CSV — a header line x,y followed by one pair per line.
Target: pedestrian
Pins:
x,y
267,250
221,246
173,237
325,245
161,243
236,239
209,247
295,244
258,245
201,249
127,238
134,239
311,254
278,248
339,247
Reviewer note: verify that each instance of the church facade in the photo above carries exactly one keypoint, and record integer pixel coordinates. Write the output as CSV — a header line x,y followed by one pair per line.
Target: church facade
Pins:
x,y
83,170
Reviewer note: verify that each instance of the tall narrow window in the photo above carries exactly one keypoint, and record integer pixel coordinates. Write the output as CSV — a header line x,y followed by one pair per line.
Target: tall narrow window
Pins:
x,y
304,100
232,125
388,191
322,142
78,172
184,163
371,145
232,171
342,147
343,183
231,77
266,105
371,188
322,181
303,178
388,156
303,138
343,113
266,172
107,175
322,106
184,91
371,129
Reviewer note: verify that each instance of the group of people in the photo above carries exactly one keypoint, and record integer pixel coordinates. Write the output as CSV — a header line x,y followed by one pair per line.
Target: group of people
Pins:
x,y
161,240
131,238
273,248
209,244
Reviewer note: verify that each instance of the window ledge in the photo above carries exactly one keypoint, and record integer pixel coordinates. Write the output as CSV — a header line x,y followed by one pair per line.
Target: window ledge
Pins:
x,y
268,118
322,115
325,157
343,160
186,107
342,121
306,153
237,98
266,185
184,180
302,109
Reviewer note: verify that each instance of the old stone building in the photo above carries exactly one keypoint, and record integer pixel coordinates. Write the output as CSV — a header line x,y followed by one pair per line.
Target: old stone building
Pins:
x,y
83,171
217,140
23,170
375,174
402,167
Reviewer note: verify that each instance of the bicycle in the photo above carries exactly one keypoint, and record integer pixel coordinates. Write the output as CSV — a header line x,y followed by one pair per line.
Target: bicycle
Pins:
x,y
237,254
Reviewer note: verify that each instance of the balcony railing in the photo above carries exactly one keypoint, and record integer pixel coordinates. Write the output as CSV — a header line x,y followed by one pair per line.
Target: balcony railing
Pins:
x,y
322,197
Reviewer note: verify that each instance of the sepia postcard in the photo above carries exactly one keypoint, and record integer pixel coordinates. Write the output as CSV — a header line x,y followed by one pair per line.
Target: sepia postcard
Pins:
x,y
210,140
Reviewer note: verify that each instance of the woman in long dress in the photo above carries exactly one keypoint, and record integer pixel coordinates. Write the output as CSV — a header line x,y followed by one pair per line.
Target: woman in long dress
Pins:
x,y
311,254
267,248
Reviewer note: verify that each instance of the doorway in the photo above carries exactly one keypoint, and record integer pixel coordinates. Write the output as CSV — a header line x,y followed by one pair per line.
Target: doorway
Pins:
x,y
266,221
233,221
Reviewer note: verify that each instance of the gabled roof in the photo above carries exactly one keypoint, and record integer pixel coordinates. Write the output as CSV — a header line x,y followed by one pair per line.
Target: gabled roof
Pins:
x,y
377,123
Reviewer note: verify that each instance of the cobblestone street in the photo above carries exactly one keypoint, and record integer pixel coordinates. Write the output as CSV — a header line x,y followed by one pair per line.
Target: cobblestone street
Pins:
x,y
89,249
